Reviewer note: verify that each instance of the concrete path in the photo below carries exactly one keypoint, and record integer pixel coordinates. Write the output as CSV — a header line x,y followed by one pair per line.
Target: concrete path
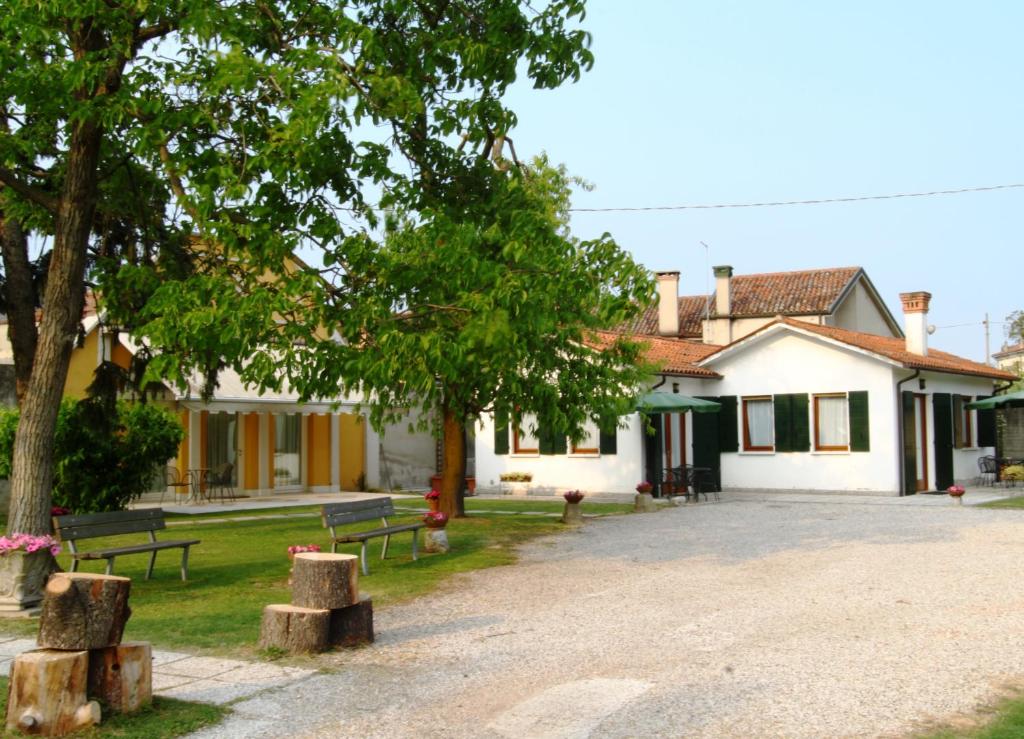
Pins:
x,y
741,619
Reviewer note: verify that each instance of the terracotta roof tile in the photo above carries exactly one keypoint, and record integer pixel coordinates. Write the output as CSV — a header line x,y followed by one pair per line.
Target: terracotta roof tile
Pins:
x,y
673,356
806,292
1009,351
789,293
895,348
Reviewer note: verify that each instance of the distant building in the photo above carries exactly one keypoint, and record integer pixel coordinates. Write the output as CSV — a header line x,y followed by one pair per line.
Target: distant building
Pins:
x,y
1011,359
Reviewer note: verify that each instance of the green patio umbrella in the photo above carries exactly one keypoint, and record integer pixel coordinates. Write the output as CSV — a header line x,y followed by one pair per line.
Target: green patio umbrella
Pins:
x,y
673,403
1010,400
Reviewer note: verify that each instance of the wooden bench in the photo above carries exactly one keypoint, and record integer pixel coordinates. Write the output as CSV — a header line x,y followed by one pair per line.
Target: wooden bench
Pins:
x,y
75,528
340,514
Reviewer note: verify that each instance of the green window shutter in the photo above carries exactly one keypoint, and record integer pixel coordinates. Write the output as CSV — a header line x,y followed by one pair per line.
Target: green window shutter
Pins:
x,y
501,433
545,440
942,410
705,442
728,429
800,439
782,412
609,442
860,428
909,444
986,425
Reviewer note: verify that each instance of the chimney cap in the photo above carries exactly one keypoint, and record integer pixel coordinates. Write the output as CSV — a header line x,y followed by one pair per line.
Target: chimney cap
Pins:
x,y
666,273
724,270
916,302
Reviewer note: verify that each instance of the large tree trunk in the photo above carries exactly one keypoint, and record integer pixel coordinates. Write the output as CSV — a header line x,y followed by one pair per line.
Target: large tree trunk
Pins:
x,y
21,301
453,464
32,468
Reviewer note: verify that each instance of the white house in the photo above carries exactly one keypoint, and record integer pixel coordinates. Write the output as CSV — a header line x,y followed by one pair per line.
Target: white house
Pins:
x,y
810,400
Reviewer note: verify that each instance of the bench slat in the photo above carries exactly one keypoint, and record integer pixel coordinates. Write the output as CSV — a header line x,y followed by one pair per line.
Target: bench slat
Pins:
x,y
339,514
363,535
94,531
154,547
88,519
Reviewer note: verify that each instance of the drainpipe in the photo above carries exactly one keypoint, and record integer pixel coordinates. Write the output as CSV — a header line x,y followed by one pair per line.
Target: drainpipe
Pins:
x,y
902,442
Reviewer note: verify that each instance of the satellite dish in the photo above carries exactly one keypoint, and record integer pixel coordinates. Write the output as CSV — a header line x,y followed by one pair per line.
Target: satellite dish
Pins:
x,y
931,328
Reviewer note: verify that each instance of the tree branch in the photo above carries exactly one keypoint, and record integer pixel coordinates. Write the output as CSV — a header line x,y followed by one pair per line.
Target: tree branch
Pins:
x,y
37,196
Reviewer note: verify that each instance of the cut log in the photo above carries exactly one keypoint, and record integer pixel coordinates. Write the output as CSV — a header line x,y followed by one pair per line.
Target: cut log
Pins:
x,y
352,626
294,629
46,695
323,580
83,611
122,676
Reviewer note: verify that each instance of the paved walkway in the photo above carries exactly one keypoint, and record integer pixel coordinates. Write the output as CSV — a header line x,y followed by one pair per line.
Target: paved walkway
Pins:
x,y
184,676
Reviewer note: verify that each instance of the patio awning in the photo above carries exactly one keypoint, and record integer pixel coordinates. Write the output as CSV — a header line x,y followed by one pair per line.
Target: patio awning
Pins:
x,y
674,403
1010,400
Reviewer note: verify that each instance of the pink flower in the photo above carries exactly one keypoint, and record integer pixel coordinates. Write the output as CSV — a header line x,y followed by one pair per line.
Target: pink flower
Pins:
x,y
298,549
435,519
29,543
432,495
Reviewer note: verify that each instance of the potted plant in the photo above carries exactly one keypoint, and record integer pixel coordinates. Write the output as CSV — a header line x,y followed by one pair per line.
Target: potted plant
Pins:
x,y
572,514
436,539
26,561
957,493
433,499
644,500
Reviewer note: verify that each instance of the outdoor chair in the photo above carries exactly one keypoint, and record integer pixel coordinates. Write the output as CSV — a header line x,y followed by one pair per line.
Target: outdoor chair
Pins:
x,y
989,469
220,479
179,483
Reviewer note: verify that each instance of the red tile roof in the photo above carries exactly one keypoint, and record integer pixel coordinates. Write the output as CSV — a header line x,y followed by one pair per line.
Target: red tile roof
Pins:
x,y
801,293
790,293
672,356
1009,351
895,348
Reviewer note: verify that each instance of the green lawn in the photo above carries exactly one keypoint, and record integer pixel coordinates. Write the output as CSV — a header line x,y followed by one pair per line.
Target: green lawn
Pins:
x,y
165,718
1017,502
1007,723
241,566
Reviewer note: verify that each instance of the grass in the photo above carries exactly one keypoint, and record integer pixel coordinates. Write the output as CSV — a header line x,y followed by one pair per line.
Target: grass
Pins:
x,y
1015,502
241,566
166,717
1007,723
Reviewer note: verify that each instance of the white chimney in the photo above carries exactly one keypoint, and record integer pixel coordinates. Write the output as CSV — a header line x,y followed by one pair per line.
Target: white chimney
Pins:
x,y
668,303
723,290
915,321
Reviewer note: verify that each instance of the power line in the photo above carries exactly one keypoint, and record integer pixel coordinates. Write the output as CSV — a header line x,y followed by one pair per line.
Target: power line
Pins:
x,y
818,201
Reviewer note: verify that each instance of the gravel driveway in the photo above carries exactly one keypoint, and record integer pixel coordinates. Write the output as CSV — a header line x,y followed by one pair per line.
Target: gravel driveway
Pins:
x,y
736,619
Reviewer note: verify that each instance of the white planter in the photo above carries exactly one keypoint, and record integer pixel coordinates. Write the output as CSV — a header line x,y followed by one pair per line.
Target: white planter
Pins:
x,y
22,578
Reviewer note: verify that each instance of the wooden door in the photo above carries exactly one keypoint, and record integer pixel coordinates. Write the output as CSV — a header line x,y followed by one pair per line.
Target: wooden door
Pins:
x,y
921,423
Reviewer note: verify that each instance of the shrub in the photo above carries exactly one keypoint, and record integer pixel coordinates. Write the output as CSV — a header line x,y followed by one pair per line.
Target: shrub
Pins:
x,y
103,458
1013,472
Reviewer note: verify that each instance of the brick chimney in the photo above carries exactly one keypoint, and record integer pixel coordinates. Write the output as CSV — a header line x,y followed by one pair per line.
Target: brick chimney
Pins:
x,y
668,303
723,290
915,321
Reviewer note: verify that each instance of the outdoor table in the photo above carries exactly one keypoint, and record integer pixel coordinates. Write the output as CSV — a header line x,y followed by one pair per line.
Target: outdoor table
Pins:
x,y
198,475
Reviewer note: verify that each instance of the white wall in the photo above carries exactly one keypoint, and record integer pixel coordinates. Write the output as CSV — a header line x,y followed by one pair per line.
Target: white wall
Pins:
x,y
554,474
405,459
788,363
965,461
860,312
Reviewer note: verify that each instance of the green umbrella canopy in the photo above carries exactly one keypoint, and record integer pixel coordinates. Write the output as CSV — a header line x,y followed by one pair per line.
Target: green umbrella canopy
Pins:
x,y
673,403
1010,400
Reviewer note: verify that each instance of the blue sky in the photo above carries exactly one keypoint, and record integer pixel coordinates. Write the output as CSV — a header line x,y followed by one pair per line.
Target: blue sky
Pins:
x,y
723,102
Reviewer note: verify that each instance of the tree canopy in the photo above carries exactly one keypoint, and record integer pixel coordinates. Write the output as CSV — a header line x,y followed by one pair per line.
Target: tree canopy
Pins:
x,y
139,133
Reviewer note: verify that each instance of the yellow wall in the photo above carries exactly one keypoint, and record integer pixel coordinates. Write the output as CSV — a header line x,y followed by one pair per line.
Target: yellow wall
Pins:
x,y
318,435
352,450
251,429
183,449
82,367
121,356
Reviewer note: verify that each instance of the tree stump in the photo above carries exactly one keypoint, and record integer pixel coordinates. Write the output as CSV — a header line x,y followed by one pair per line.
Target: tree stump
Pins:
x,y
47,693
122,676
323,580
352,626
83,611
295,629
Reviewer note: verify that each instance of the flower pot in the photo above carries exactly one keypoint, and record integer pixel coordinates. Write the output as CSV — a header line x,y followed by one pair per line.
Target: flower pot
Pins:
x,y
22,577
433,504
644,503
572,514
436,541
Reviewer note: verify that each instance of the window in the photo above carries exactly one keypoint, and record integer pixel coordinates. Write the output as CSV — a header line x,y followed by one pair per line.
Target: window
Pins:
x,y
831,423
591,441
287,454
526,441
963,433
758,425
